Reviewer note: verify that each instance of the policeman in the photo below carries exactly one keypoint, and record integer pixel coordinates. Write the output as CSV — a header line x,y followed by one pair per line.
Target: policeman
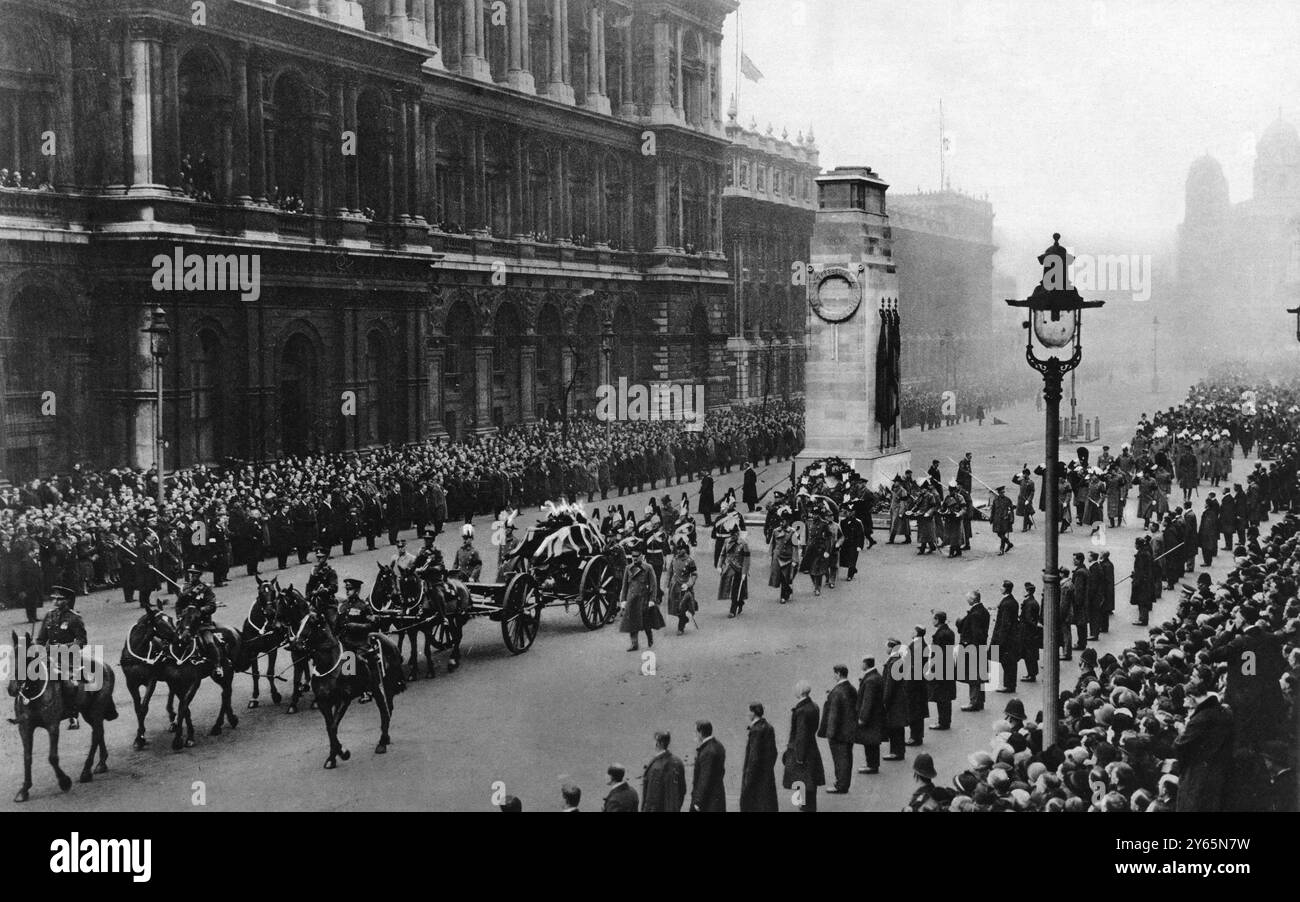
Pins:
x,y
356,628
198,594
323,579
63,628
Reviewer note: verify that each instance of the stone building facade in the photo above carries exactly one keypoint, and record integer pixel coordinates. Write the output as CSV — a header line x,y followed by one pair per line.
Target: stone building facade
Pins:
x,y
943,246
466,214
768,206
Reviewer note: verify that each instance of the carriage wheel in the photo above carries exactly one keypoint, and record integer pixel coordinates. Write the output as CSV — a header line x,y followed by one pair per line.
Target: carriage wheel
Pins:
x,y
521,613
596,593
446,630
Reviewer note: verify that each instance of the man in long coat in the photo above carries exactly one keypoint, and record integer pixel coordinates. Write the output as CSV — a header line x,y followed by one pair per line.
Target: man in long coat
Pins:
x,y
1208,531
1025,499
894,696
1002,518
943,687
707,792
871,715
637,600
663,784
1006,636
839,725
1143,592
1228,519
802,759
758,778
973,630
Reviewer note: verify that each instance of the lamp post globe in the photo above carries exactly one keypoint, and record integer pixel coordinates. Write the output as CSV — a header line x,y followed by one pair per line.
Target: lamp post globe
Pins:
x,y
1055,310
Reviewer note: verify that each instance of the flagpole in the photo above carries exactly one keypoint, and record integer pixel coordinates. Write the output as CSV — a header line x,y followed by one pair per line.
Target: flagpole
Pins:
x,y
739,38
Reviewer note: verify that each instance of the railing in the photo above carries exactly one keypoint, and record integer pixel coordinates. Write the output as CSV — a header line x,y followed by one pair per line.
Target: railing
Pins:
x,y
26,203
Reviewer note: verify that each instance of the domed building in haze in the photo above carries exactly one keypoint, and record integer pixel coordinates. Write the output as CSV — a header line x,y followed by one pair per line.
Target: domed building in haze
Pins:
x,y
1238,264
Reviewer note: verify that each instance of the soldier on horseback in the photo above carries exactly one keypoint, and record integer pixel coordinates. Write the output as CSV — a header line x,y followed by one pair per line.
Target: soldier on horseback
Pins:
x,y
323,578
198,594
429,566
63,628
356,628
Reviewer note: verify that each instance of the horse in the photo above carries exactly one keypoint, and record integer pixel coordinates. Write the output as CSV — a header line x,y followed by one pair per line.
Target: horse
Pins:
x,y
185,667
263,633
141,662
43,698
338,676
293,609
401,618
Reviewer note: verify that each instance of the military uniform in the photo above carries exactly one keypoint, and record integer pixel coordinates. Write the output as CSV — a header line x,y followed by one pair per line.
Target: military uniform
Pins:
x,y
323,579
62,628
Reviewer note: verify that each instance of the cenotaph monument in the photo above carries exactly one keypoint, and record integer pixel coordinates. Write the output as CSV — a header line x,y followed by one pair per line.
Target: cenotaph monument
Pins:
x,y
852,373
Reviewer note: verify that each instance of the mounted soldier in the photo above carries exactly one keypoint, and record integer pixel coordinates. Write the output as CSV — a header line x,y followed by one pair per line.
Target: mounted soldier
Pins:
x,y
63,629
356,628
198,594
323,580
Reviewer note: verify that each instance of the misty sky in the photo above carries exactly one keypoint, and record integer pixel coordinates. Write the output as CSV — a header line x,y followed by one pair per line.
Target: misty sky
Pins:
x,y
1078,116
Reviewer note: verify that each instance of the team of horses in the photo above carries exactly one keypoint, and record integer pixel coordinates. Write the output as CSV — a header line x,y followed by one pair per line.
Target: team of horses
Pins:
x,y
174,651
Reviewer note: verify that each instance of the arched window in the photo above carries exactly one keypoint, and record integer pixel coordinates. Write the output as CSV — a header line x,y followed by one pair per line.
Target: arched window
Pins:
x,y
300,431
292,140
505,365
693,96
379,382
458,370
202,135
41,344
449,175
372,126
207,398
550,360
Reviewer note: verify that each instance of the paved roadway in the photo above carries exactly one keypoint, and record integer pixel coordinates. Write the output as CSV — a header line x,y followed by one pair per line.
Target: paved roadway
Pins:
x,y
577,700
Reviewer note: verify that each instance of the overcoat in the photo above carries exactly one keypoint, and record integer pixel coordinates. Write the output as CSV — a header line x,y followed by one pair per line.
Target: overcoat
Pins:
x,y
802,759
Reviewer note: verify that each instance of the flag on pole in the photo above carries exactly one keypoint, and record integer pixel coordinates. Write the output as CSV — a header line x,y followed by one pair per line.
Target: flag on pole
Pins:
x,y
748,69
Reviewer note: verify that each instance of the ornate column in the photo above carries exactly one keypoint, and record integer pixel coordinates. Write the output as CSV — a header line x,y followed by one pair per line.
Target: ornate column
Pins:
x,y
517,75
628,105
351,173
141,63
596,98
171,113
518,186
528,379
419,166
396,25
418,31
557,86
483,385
338,161
662,242
401,159
65,159
116,173
661,108
472,61
239,125
256,133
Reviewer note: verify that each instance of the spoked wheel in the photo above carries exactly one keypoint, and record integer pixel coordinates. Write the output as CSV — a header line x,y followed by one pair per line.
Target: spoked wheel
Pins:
x,y
521,613
446,630
596,590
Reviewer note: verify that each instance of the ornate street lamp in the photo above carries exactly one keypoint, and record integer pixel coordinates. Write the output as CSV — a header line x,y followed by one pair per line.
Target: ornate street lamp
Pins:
x,y
160,334
1055,322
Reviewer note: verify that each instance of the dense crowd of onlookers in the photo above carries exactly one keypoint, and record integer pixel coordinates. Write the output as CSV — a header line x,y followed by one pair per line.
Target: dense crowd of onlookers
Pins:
x,y
1198,715
932,404
84,529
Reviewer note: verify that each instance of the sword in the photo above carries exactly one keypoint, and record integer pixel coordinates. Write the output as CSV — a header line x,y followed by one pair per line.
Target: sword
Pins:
x,y
976,478
150,566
